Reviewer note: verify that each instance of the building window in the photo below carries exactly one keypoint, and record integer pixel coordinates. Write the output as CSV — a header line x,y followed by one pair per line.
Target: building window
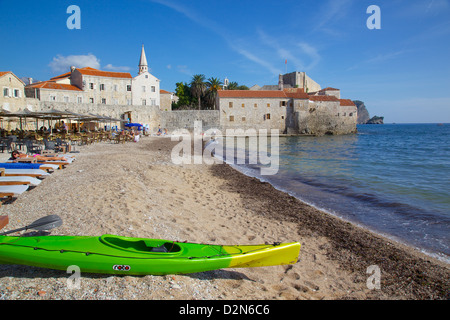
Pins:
x,y
91,86
231,118
268,105
243,105
256,105
230,104
102,87
153,102
80,99
282,103
52,98
91,100
128,87
350,114
115,87
143,88
153,89
243,119
282,117
5,92
16,93
66,99
144,102
267,116
103,101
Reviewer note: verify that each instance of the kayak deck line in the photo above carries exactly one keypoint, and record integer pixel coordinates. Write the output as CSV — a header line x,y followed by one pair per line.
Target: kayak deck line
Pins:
x,y
161,255
139,256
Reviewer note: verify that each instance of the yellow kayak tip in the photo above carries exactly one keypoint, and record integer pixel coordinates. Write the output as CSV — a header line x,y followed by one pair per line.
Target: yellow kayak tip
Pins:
x,y
248,256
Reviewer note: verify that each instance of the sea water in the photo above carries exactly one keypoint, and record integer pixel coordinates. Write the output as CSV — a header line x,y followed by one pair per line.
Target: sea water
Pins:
x,y
393,179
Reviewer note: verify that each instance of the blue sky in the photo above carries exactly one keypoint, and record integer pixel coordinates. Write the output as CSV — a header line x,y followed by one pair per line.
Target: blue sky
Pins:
x,y
401,71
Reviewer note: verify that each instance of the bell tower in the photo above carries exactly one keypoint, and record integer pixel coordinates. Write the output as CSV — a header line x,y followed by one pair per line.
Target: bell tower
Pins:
x,y
143,66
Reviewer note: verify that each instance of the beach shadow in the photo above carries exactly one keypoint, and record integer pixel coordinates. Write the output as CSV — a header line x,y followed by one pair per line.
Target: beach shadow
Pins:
x,y
30,272
220,274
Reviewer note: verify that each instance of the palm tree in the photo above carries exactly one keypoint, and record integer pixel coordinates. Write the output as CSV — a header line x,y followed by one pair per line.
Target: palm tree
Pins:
x,y
198,88
232,86
214,85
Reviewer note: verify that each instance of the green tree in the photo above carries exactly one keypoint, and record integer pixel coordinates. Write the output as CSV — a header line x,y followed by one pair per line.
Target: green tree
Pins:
x,y
185,99
198,88
232,86
213,85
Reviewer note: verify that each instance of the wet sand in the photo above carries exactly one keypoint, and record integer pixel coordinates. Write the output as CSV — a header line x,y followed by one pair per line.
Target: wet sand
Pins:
x,y
134,189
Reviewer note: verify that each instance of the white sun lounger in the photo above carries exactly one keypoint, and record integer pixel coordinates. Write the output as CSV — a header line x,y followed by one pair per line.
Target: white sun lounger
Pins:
x,y
19,180
12,191
26,172
48,166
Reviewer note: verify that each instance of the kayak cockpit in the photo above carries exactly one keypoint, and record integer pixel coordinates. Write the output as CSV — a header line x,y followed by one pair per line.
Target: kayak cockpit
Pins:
x,y
141,245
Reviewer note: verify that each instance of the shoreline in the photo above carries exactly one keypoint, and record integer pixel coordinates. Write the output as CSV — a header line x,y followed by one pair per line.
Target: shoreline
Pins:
x,y
434,255
134,190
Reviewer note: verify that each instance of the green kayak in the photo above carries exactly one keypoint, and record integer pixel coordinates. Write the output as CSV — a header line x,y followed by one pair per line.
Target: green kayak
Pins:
x,y
139,256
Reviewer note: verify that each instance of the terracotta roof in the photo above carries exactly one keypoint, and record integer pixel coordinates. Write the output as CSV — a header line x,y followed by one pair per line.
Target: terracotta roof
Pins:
x,y
64,75
296,93
94,72
323,98
347,102
164,92
2,73
53,85
251,94
329,89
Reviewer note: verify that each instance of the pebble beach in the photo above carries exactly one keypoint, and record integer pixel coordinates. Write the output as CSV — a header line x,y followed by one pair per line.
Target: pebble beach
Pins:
x,y
135,190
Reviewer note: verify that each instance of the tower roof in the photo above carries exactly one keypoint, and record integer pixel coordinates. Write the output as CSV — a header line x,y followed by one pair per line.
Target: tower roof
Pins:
x,y
143,60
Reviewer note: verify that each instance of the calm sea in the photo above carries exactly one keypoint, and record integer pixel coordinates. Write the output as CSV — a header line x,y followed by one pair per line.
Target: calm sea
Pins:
x,y
393,179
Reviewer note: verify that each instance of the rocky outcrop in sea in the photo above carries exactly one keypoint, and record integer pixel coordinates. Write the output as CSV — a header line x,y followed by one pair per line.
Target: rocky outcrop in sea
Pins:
x,y
363,114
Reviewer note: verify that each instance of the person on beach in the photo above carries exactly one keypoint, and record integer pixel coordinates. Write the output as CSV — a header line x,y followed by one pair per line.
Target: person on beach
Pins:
x,y
15,155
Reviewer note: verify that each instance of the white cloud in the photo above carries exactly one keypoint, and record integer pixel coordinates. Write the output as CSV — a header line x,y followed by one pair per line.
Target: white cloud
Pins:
x,y
63,63
184,69
244,50
118,69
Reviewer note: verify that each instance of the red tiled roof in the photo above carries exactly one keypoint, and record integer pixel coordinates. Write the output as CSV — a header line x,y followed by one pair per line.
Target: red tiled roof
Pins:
x,y
329,89
323,98
94,72
296,93
2,73
64,75
164,92
287,93
251,94
53,85
347,102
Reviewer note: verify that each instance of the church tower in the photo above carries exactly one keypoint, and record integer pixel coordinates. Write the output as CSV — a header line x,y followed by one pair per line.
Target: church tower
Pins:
x,y
143,66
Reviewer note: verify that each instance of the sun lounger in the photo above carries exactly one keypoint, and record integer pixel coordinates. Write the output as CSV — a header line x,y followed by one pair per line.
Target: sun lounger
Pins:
x,y
36,173
26,165
12,191
4,220
19,180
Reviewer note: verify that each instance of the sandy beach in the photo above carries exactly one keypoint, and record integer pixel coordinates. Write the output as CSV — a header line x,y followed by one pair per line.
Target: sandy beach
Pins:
x,y
135,190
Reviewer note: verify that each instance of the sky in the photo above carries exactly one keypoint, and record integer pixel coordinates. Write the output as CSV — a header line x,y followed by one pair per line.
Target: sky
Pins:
x,y
400,70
